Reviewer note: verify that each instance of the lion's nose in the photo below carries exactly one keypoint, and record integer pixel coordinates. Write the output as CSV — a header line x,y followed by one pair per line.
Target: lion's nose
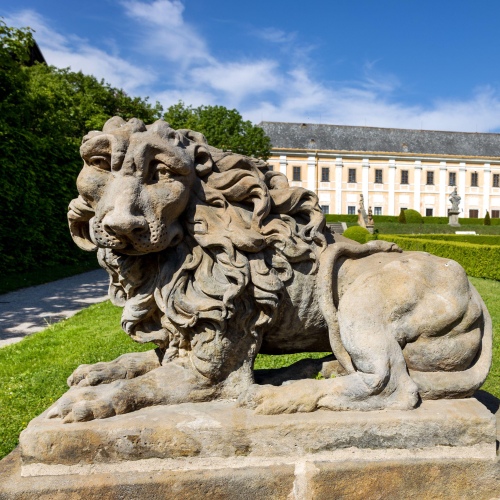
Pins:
x,y
118,224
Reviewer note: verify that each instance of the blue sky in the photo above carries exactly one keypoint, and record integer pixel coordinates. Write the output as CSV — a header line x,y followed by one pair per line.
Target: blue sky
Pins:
x,y
389,63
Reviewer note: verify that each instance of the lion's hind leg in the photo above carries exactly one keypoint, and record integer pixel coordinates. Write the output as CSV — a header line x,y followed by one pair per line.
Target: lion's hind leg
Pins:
x,y
124,367
380,378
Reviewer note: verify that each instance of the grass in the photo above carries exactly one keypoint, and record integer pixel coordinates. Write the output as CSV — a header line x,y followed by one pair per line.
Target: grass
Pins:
x,y
34,371
14,281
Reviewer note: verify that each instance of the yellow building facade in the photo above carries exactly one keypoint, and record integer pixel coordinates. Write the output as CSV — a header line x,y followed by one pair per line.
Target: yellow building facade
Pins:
x,y
392,168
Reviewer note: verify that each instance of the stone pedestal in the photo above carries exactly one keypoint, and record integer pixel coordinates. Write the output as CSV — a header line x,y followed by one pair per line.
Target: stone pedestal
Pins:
x,y
453,219
444,449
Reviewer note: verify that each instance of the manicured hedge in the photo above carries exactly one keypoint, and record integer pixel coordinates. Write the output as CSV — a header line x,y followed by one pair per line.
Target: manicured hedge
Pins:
x,y
481,261
485,239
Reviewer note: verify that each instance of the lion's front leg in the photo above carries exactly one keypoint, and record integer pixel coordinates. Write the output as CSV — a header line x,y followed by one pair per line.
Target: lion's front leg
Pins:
x,y
175,382
126,366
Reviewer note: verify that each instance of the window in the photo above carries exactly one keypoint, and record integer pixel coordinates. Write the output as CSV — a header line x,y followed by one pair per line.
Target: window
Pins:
x,y
378,176
404,176
474,179
352,175
325,174
452,179
430,178
474,214
351,210
325,209
495,214
377,210
296,174
429,212
496,180
270,167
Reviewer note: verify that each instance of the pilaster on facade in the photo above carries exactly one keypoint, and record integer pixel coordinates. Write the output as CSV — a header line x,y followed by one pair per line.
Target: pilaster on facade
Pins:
x,y
283,164
442,189
417,185
461,185
486,189
311,174
365,177
338,185
392,185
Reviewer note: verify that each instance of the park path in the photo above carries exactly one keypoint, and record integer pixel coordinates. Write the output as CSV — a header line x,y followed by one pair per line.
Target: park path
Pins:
x,y
32,309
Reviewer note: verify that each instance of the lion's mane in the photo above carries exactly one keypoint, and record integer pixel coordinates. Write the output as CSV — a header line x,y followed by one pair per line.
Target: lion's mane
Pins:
x,y
245,229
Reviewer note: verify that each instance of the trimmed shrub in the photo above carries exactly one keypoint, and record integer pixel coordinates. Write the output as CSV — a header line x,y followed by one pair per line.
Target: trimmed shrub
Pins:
x,y
413,217
480,261
436,220
478,239
402,217
487,219
341,218
357,233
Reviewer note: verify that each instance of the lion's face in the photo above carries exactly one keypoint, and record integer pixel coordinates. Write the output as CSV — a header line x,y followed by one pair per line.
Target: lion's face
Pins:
x,y
137,182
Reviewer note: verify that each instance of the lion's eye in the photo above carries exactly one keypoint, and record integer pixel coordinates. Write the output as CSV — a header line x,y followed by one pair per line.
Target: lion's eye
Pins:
x,y
161,172
100,162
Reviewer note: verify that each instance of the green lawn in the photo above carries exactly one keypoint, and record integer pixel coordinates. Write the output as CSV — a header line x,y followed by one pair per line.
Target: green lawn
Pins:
x,y
34,371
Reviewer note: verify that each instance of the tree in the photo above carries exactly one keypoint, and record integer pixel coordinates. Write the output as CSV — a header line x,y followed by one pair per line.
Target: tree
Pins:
x,y
401,217
224,128
487,219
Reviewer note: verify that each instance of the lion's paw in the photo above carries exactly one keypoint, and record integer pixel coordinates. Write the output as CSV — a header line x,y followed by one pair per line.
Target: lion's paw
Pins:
x,y
80,404
125,367
301,396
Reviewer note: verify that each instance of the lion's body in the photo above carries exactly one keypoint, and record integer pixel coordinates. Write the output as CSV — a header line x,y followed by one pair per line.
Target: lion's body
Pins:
x,y
215,258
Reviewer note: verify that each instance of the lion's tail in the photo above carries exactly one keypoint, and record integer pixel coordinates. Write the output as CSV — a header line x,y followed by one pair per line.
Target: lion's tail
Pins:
x,y
461,384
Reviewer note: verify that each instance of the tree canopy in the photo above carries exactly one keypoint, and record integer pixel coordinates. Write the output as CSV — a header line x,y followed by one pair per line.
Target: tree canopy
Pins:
x,y
224,128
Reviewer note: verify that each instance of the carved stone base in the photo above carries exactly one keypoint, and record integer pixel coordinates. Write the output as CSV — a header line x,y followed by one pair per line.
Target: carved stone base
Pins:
x,y
444,449
453,219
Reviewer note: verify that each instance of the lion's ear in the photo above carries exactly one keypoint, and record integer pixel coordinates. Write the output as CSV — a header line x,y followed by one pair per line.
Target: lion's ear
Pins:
x,y
79,214
203,162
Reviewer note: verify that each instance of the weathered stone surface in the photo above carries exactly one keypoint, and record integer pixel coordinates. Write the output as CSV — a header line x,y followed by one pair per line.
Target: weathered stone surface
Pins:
x,y
215,257
203,434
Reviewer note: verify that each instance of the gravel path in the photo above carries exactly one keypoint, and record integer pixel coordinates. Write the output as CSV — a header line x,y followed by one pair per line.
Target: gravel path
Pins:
x,y
32,309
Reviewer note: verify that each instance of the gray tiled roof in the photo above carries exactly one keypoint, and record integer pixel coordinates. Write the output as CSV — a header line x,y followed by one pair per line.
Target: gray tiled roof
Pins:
x,y
395,140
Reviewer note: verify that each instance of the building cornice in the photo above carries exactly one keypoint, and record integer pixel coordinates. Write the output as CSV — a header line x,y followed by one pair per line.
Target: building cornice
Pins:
x,y
382,155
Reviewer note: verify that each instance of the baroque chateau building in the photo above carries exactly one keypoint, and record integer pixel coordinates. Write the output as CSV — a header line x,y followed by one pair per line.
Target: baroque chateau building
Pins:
x,y
391,168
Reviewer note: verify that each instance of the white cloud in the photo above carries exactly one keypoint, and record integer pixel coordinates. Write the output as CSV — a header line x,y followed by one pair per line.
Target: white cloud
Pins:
x,y
162,30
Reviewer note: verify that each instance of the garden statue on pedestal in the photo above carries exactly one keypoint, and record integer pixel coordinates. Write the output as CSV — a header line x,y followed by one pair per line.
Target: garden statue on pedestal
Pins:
x,y
362,216
215,258
454,211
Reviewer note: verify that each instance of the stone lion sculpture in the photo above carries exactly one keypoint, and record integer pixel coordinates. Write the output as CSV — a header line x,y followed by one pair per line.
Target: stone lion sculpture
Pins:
x,y
215,258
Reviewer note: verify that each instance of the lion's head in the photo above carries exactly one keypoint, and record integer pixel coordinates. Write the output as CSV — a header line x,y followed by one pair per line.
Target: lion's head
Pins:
x,y
189,233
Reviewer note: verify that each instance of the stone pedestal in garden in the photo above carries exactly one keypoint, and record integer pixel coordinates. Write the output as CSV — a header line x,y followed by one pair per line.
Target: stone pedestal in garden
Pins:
x,y
443,449
453,219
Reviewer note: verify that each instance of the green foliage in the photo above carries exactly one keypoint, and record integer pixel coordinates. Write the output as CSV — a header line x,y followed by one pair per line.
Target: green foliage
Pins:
x,y
402,216
487,219
224,128
413,217
341,218
357,233
487,239
390,228
480,261
44,112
